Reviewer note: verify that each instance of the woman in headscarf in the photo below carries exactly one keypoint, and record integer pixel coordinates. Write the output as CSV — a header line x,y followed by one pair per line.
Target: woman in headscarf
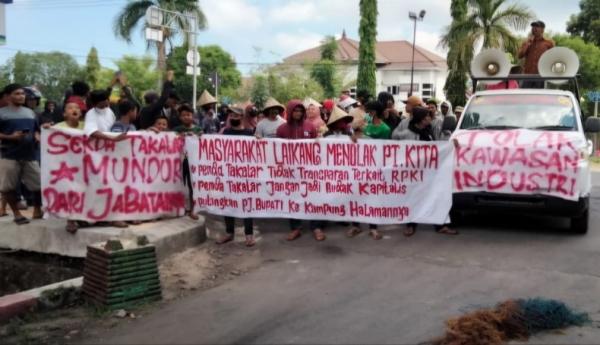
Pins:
x,y
313,115
419,128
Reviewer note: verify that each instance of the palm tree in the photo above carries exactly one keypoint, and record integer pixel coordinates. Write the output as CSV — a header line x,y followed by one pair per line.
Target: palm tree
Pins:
x,y
135,10
488,23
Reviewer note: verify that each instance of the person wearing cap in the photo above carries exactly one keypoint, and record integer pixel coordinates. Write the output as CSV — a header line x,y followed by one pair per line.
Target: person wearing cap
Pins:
x,y
412,102
296,128
328,105
209,122
313,115
236,127
347,103
267,128
458,112
19,133
533,48
390,114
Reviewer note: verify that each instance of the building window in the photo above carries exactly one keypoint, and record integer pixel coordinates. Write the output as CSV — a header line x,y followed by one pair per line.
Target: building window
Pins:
x,y
428,91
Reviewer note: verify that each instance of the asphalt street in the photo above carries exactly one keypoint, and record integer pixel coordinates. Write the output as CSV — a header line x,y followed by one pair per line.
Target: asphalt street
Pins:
x,y
395,291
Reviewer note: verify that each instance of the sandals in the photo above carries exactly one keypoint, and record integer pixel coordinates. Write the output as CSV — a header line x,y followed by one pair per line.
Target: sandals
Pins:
x,y
21,221
250,241
294,234
225,239
353,232
410,230
447,231
319,235
192,215
72,227
376,235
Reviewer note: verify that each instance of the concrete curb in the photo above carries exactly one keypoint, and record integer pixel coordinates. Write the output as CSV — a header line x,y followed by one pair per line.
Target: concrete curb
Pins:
x,y
26,301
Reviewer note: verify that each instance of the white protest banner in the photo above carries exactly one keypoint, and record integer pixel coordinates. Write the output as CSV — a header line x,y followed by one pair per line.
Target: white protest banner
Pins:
x,y
518,161
372,181
98,180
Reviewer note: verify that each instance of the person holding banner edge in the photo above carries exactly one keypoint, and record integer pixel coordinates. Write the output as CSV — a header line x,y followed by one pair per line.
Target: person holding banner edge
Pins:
x,y
237,128
298,128
419,129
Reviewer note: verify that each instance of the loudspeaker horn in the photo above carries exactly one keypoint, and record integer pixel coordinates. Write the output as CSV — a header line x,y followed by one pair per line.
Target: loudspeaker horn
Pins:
x,y
490,63
558,62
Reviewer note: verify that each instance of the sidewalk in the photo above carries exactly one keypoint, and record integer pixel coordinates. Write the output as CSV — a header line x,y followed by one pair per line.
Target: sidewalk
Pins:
x,y
49,235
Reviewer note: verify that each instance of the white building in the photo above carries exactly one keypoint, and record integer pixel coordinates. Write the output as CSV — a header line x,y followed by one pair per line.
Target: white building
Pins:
x,y
393,60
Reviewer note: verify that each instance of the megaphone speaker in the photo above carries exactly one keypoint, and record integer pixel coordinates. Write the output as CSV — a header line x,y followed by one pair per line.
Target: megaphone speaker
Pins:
x,y
490,63
558,62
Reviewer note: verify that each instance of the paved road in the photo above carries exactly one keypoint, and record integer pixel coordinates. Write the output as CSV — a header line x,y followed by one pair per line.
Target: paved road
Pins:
x,y
397,290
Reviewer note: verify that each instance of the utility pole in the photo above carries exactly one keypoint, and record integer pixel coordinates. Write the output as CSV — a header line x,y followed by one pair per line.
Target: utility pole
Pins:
x,y
159,19
413,16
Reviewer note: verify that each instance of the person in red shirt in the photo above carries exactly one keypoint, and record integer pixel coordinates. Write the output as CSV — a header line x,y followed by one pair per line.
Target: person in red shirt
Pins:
x,y
297,128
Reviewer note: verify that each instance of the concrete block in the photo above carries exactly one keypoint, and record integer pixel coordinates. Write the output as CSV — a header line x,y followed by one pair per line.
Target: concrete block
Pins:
x,y
15,304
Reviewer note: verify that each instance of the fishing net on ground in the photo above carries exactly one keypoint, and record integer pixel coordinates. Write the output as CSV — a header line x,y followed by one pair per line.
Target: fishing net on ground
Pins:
x,y
510,320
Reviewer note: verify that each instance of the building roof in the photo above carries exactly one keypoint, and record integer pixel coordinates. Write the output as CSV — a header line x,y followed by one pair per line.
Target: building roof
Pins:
x,y
388,55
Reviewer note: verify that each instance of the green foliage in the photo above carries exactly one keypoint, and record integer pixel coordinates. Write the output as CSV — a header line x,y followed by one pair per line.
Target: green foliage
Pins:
x,y
92,68
260,91
586,24
589,69
456,82
487,21
135,10
51,72
212,58
286,83
140,73
367,32
324,72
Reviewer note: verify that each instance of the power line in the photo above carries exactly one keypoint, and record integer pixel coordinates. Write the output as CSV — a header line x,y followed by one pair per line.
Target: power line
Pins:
x,y
154,59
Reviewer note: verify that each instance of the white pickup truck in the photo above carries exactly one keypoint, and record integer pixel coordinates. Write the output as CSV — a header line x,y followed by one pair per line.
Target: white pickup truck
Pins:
x,y
516,125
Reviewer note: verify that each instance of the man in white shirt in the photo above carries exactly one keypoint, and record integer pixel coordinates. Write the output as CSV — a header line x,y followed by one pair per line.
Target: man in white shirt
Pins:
x,y
100,118
267,127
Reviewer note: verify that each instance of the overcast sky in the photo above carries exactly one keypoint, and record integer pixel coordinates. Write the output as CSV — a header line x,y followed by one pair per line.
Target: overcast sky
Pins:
x,y
252,31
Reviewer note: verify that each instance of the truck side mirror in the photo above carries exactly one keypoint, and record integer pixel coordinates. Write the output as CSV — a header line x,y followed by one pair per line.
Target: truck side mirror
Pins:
x,y
592,125
449,123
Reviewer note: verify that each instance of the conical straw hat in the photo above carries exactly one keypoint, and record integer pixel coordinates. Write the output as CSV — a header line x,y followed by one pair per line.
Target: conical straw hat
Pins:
x,y
206,98
309,101
272,103
358,117
338,114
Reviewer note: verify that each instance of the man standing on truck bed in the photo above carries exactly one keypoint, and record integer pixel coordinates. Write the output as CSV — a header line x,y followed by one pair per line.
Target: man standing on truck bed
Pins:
x,y
532,50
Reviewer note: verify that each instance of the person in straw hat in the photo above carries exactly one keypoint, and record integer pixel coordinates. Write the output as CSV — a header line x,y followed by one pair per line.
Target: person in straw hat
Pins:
x,y
236,127
267,128
208,121
339,124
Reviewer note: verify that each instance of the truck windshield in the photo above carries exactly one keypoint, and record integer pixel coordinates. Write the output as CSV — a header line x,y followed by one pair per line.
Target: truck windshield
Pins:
x,y
538,112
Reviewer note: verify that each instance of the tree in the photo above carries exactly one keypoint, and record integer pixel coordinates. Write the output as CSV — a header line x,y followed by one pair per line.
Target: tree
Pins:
x,y
324,72
586,24
212,59
52,73
140,72
367,32
487,23
92,68
135,10
260,91
456,82
589,64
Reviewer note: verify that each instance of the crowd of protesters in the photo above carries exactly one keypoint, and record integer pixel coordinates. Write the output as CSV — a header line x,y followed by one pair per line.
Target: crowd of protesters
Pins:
x,y
96,114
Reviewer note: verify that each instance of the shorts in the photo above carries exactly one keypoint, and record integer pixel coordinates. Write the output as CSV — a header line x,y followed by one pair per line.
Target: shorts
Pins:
x,y
13,172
